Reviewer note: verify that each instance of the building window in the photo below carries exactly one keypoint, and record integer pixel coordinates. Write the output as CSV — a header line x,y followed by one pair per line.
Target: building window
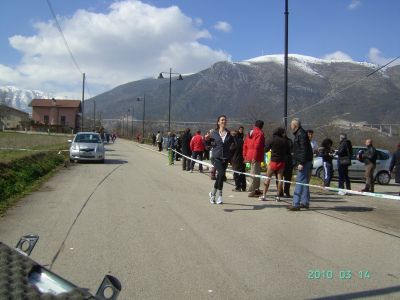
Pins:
x,y
46,119
63,120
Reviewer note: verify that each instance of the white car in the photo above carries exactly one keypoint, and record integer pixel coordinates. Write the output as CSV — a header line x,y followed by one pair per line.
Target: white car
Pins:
x,y
87,146
357,168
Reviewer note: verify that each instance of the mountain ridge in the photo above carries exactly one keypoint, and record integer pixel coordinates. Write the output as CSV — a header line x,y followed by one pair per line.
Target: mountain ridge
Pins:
x,y
254,89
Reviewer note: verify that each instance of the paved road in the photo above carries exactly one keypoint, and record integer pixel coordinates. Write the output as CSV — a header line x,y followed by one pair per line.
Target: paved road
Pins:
x,y
151,225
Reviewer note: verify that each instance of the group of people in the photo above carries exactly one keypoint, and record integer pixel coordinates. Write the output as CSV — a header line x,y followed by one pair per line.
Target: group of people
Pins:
x,y
236,148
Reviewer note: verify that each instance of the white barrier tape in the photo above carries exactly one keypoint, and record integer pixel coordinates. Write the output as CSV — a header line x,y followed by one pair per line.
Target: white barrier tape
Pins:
x,y
331,189
33,150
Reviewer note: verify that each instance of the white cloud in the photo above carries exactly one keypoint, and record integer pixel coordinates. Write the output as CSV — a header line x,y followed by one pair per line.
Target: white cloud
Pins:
x,y
354,4
337,55
132,40
223,26
375,56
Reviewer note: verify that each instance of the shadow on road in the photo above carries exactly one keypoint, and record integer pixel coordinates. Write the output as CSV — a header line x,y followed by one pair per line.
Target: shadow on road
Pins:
x,y
345,208
251,207
326,199
115,162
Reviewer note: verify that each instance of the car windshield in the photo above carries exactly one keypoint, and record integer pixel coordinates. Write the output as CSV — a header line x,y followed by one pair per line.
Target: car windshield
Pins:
x,y
87,138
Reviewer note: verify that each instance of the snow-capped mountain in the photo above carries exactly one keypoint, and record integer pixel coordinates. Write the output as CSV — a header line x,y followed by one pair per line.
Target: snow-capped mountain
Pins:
x,y
18,98
302,62
319,90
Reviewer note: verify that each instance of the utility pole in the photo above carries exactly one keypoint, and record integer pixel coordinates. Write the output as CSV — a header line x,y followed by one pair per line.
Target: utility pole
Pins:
x,y
94,114
133,107
286,60
83,100
144,114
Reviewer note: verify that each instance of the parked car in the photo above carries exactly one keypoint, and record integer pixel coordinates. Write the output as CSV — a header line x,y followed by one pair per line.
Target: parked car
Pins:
x,y
357,168
87,146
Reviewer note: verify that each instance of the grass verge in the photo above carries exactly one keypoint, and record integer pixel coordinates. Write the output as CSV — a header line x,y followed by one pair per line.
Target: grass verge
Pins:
x,y
21,176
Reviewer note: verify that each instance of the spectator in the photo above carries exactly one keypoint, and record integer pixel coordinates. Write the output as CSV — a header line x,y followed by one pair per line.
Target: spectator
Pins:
x,y
240,133
178,147
369,158
197,148
344,153
314,144
395,164
327,156
186,138
113,137
288,171
253,152
153,139
221,141
303,157
213,172
171,147
159,140
237,161
280,149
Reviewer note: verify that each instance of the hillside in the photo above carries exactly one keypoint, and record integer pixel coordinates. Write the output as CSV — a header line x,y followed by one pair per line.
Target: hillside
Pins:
x,y
254,89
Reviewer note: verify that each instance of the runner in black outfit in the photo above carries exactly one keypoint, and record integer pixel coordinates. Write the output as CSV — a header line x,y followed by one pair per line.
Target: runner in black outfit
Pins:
x,y
221,141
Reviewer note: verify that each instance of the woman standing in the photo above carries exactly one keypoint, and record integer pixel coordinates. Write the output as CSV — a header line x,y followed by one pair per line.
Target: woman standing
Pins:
x,y
221,141
280,149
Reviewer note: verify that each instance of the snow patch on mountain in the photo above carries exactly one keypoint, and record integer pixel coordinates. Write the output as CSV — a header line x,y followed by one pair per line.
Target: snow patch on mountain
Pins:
x,y
19,98
301,62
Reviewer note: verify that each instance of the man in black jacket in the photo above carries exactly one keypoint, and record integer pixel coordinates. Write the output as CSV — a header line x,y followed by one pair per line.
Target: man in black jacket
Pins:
x,y
369,157
237,161
344,153
395,164
303,157
186,138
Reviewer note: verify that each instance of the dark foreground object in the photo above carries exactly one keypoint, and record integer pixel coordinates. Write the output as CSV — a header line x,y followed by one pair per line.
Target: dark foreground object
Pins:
x,y
23,278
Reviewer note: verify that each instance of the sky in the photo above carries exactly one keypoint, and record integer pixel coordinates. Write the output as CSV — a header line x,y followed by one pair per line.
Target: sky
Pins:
x,y
115,42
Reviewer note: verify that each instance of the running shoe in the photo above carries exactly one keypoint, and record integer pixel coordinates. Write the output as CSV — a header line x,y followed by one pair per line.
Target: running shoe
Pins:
x,y
263,198
212,198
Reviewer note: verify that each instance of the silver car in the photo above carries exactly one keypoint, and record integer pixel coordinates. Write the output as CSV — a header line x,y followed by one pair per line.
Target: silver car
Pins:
x,y
87,146
357,168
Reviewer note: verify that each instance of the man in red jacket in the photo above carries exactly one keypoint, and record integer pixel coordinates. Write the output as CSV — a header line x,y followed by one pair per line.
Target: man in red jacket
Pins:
x,y
253,152
197,148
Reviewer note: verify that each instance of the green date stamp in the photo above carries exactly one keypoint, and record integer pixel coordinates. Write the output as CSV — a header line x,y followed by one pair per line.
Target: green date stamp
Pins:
x,y
345,274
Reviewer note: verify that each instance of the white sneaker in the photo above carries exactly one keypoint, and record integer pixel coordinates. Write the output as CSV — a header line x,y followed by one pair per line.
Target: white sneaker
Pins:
x,y
341,193
277,198
212,198
219,201
262,198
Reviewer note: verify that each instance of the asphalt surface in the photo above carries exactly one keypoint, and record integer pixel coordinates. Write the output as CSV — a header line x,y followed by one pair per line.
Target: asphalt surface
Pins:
x,y
151,225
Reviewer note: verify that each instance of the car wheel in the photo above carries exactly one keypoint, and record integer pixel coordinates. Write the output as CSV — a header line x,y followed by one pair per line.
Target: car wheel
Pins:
x,y
383,178
320,173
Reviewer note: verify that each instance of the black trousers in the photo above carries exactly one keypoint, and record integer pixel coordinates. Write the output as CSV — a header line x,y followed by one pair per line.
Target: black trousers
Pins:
x,y
287,176
220,165
240,179
159,146
343,171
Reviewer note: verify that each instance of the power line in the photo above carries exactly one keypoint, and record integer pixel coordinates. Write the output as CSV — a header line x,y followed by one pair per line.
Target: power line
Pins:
x,y
67,45
332,94
62,35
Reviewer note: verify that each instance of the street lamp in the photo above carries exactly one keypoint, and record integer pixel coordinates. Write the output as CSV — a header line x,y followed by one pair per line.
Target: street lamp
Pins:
x,y
133,107
170,83
127,123
144,111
